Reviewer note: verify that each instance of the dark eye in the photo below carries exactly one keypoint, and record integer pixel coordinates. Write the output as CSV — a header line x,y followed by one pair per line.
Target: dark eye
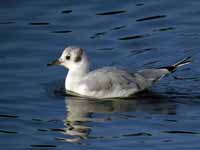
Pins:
x,y
67,57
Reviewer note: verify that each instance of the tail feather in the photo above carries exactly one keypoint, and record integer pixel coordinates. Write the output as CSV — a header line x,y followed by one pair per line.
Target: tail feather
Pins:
x,y
180,63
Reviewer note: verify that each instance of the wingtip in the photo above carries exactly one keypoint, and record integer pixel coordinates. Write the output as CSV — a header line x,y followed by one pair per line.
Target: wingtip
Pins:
x,y
180,63
183,62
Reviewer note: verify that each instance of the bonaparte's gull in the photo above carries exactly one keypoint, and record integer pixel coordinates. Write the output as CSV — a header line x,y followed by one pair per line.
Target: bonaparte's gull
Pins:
x,y
107,82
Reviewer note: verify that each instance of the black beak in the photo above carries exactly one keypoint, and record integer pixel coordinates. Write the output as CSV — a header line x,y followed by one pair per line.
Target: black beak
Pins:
x,y
55,62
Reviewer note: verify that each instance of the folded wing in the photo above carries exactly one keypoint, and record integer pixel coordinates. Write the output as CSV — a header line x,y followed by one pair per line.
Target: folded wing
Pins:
x,y
112,79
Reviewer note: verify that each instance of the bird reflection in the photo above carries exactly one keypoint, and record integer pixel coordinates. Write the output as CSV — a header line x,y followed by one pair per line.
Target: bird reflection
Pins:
x,y
81,113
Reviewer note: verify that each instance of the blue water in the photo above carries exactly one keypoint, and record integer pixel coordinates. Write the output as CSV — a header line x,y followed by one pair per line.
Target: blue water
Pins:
x,y
35,115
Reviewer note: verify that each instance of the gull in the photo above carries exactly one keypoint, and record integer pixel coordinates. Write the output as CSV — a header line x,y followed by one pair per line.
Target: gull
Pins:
x,y
107,82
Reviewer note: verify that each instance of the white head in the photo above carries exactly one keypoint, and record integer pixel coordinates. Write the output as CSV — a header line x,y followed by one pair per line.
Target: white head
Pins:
x,y
73,58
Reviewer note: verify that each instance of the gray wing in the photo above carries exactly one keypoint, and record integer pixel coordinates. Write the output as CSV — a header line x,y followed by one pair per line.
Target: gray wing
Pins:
x,y
109,78
153,75
105,79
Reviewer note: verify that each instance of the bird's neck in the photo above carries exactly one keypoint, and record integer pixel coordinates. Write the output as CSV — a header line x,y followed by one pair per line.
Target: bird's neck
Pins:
x,y
75,75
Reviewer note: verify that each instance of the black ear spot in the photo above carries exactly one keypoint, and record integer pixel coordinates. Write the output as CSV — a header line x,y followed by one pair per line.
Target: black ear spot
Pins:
x,y
77,59
79,55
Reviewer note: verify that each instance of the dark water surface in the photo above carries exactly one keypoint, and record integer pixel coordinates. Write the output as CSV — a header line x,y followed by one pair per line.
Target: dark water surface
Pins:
x,y
34,115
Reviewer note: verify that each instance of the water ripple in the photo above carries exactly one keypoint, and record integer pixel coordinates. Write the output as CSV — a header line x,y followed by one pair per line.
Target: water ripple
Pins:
x,y
42,130
139,4
111,13
42,145
8,132
39,23
140,51
62,31
181,132
118,28
165,29
8,116
9,22
105,49
132,37
58,130
151,18
138,134
97,35
66,11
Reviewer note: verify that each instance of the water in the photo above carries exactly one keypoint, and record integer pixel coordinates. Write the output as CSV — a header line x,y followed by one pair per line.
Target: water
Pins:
x,y
131,34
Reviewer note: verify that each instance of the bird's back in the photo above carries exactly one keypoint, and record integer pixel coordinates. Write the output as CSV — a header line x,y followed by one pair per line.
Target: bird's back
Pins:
x,y
109,82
